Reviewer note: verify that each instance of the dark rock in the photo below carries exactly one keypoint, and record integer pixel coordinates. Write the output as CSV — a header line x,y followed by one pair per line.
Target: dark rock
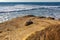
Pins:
x,y
51,18
42,17
59,19
28,23
30,16
0,31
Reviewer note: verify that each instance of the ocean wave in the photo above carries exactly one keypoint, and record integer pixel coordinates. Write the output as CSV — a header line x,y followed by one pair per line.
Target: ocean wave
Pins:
x,y
9,12
18,8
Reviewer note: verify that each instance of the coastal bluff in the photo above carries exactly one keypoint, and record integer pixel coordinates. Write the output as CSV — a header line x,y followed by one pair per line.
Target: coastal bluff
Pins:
x,y
30,27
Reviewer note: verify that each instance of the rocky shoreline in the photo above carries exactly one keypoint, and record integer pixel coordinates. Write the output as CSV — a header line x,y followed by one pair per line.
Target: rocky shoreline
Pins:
x,y
30,27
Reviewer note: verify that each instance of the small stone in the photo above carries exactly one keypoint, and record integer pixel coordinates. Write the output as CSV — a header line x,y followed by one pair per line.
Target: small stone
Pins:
x,y
51,18
0,31
28,23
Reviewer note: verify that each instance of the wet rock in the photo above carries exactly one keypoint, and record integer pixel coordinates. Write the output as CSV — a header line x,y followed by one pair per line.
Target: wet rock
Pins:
x,y
30,16
42,17
51,18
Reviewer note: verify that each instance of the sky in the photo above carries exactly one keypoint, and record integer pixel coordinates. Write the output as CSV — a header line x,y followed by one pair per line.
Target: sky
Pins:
x,y
29,0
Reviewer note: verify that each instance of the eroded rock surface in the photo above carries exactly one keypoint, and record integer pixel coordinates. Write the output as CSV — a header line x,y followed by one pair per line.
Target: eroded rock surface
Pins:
x,y
50,33
39,28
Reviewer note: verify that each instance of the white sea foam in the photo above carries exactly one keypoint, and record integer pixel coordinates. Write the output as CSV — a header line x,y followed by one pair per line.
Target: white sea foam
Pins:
x,y
22,7
16,7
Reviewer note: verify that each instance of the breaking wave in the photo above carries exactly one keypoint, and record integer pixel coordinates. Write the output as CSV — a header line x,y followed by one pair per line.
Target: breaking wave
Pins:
x,y
8,12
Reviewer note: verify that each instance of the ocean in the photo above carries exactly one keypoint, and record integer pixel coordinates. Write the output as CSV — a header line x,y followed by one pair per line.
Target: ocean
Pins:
x,y
9,10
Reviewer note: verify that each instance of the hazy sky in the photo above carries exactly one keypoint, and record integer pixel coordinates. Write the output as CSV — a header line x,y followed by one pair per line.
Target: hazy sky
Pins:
x,y
29,0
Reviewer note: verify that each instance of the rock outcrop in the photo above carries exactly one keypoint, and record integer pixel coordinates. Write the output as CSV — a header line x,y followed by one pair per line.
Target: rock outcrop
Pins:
x,y
30,28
